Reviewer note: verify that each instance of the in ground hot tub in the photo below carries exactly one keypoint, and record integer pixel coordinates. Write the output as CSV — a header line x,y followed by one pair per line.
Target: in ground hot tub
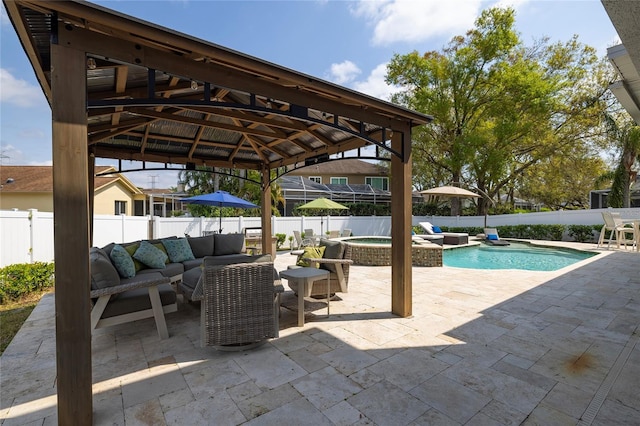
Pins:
x,y
376,251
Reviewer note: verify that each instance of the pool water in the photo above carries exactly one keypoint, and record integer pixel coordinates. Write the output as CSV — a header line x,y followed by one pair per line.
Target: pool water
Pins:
x,y
515,256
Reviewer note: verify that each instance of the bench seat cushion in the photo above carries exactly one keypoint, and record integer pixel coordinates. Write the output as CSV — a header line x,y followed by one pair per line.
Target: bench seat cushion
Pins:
x,y
138,300
170,270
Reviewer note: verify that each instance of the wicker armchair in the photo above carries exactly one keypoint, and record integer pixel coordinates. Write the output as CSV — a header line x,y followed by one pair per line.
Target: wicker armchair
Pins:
x,y
337,260
240,305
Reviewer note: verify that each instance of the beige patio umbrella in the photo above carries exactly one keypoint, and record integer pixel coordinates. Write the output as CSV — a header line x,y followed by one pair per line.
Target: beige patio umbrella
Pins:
x,y
448,192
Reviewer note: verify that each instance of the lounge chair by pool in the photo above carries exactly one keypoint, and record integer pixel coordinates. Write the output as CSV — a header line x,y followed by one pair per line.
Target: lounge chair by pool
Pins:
x,y
452,238
492,237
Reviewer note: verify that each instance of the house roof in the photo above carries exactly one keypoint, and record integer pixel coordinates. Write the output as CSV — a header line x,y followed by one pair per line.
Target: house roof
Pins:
x,y
349,166
157,95
625,57
36,179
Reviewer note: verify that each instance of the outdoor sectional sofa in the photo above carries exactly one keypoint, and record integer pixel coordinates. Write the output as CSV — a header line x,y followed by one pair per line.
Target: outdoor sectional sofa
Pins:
x,y
133,280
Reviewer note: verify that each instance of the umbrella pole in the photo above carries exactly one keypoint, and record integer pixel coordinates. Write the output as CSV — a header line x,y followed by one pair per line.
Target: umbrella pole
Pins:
x,y
220,231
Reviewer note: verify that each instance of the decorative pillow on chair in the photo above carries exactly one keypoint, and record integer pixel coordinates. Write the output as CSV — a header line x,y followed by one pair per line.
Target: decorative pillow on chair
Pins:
x,y
122,261
178,250
150,255
492,237
310,252
437,230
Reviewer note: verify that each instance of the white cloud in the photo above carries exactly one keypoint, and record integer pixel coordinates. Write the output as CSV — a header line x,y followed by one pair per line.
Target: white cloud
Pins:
x,y
344,72
417,20
18,92
375,85
11,155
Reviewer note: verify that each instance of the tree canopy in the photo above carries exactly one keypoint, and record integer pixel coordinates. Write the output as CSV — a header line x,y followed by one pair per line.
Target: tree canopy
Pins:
x,y
241,183
505,112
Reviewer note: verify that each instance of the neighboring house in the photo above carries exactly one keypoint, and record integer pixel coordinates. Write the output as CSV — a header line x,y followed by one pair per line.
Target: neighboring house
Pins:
x,y
345,181
31,187
165,202
350,171
598,198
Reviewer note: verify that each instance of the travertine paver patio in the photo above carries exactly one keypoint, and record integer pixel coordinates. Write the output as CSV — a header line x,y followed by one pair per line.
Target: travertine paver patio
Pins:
x,y
483,347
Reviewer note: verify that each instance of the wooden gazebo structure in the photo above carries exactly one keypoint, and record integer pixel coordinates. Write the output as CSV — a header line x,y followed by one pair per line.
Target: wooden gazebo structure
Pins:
x,y
126,89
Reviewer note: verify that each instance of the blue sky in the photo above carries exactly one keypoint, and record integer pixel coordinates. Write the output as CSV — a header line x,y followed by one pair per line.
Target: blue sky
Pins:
x,y
346,42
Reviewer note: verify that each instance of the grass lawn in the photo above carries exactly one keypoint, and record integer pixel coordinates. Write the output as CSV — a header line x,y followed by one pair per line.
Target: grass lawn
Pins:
x,y
13,314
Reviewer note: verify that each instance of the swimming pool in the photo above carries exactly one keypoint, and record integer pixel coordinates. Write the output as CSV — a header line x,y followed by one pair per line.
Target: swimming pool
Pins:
x,y
515,256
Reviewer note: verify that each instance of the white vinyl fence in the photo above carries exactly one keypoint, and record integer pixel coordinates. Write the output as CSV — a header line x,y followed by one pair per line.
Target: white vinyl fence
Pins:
x,y
27,236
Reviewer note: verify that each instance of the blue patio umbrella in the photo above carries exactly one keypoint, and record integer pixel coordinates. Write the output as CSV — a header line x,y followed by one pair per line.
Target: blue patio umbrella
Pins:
x,y
220,199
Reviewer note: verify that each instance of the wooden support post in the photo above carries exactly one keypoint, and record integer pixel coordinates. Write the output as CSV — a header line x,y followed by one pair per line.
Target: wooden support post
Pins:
x,y
71,234
92,179
267,247
401,285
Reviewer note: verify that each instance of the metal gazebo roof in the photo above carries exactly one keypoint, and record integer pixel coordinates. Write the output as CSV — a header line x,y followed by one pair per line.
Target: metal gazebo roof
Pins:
x,y
161,96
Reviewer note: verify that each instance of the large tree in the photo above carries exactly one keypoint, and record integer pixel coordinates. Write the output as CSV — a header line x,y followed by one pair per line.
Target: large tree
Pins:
x,y
625,135
241,183
499,107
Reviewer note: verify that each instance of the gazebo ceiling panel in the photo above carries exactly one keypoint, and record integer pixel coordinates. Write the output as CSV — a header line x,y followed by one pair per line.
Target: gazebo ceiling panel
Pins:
x,y
156,95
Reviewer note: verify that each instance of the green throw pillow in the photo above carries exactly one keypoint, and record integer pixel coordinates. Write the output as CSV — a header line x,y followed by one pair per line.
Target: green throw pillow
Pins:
x,y
150,255
122,261
131,249
161,246
310,252
178,250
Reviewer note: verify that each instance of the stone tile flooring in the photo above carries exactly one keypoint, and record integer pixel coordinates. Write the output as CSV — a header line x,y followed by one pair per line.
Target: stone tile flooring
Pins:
x,y
482,348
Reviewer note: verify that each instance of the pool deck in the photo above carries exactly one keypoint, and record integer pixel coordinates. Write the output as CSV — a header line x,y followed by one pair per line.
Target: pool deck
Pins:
x,y
482,348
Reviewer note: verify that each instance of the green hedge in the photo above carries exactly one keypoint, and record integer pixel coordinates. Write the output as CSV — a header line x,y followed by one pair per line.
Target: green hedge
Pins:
x,y
579,233
21,279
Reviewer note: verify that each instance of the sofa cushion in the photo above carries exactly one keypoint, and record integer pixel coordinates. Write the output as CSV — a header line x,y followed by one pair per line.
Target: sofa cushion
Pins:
x,y
122,261
310,252
178,250
190,264
131,249
163,249
333,250
138,300
150,255
201,246
103,273
169,270
226,259
228,244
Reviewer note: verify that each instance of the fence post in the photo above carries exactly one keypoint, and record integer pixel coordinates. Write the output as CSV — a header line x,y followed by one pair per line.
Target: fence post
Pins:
x,y
33,217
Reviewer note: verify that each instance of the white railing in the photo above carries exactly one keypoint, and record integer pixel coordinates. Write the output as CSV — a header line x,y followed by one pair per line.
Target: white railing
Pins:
x,y
27,236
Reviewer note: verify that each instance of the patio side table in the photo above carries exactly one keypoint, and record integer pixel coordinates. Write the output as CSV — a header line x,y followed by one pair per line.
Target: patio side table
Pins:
x,y
305,278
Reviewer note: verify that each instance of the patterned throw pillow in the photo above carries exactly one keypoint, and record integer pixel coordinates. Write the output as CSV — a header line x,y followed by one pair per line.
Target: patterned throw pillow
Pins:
x,y
164,250
178,250
310,252
122,261
151,256
131,249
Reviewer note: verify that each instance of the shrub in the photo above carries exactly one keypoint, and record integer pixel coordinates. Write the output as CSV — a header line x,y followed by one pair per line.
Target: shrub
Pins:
x,y
280,239
20,279
582,233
